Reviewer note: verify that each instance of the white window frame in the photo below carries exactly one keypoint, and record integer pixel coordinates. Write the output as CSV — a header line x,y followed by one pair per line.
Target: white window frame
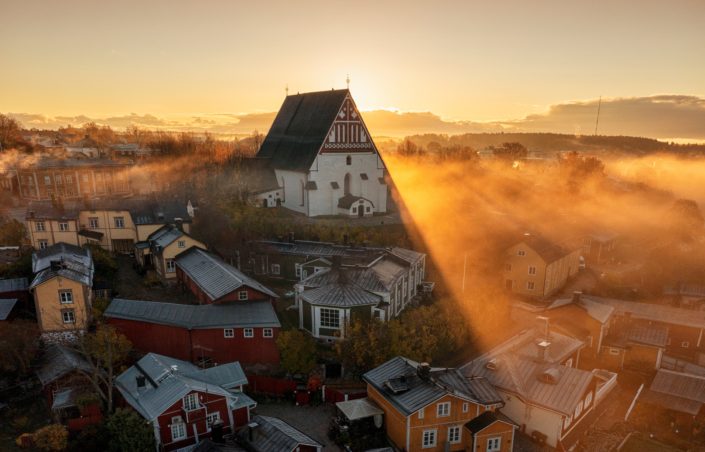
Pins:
x,y
248,333
588,399
228,333
532,269
119,222
614,351
43,244
685,344
242,295
178,428
443,409
454,434
40,226
68,316
297,270
429,438
276,269
66,296
578,409
494,444
530,285
567,421
63,226
181,244
466,406
93,223
332,318
267,332
212,418
421,413
170,266
190,402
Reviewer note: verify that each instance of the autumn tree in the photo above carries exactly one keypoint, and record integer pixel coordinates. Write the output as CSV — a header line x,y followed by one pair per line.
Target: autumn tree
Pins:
x,y
686,219
408,148
105,350
510,151
12,232
53,437
298,351
129,431
10,134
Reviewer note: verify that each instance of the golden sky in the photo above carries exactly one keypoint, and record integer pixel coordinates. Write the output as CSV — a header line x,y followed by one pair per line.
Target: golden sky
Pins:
x,y
474,60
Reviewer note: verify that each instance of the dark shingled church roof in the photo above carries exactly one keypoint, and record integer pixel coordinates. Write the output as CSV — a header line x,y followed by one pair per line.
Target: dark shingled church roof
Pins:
x,y
300,128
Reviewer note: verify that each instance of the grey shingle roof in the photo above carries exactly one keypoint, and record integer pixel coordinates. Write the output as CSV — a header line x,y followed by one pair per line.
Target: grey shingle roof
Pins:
x,y
273,434
300,128
170,379
58,361
247,314
13,285
515,367
6,307
420,392
214,276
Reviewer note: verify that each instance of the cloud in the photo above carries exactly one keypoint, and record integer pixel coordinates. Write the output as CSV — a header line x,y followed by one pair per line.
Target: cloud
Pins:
x,y
662,116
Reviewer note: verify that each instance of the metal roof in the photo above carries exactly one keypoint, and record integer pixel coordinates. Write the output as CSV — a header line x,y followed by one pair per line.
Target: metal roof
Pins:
x,y
59,360
655,312
421,392
6,307
69,269
341,295
345,202
548,250
380,276
165,236
300,128
409,256
13,285
74,163
142,209
516,366
598,311
273,434
42,259
214,276
359,408
228,315
169,379
677,391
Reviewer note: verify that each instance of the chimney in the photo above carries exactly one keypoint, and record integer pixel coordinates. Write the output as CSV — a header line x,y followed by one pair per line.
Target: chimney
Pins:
x,y
251,427
179,224
141,381
542,327
55,265
174,368
542,348
576,296
424,371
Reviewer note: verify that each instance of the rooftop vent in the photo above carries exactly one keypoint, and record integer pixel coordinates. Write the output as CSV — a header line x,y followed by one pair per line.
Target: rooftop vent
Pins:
x,y
141,381
491,364
576,296
549,376
424,371
397,385
174,368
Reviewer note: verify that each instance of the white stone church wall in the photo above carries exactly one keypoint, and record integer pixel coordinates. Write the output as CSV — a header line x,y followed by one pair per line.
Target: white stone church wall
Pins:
x,y
291,181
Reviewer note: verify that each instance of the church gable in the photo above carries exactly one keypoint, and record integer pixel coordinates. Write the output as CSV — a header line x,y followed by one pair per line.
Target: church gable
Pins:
x,y
348,132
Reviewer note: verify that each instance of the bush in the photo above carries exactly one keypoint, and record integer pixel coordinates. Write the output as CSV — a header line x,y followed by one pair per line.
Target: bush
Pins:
x,y
51,437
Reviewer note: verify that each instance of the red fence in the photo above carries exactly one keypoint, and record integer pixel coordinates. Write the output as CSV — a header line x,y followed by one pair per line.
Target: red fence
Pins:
x,y
334,394
276,387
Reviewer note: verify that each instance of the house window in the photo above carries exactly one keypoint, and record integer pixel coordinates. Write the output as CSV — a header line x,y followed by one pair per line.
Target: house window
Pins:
x,y
443,409
454,434
119,222
170,266
569,362
276,269
242,295
228,333
47,180
588,399
66,296
93,222
268,332
614,351
40,226
63,226
532,270
297,269
465,407
579,409
521,253
212,418
181,244
329,318
494,444
567,422
530,285
249,332
43,244
68,316
178,428
421,411
429,439
685,344
191,402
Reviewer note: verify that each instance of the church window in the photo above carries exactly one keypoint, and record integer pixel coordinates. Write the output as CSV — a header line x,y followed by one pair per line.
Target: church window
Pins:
x,y
346,184
348,160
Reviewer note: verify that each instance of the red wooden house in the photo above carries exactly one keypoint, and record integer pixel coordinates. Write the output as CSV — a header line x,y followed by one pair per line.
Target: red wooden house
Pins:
x,y
184,403
214,281
215,333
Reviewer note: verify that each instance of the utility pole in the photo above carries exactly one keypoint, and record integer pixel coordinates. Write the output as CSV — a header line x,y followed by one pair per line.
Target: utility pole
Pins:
x,y
597,121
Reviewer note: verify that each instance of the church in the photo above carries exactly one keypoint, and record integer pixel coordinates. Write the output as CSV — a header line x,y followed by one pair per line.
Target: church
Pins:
x,y
321,159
